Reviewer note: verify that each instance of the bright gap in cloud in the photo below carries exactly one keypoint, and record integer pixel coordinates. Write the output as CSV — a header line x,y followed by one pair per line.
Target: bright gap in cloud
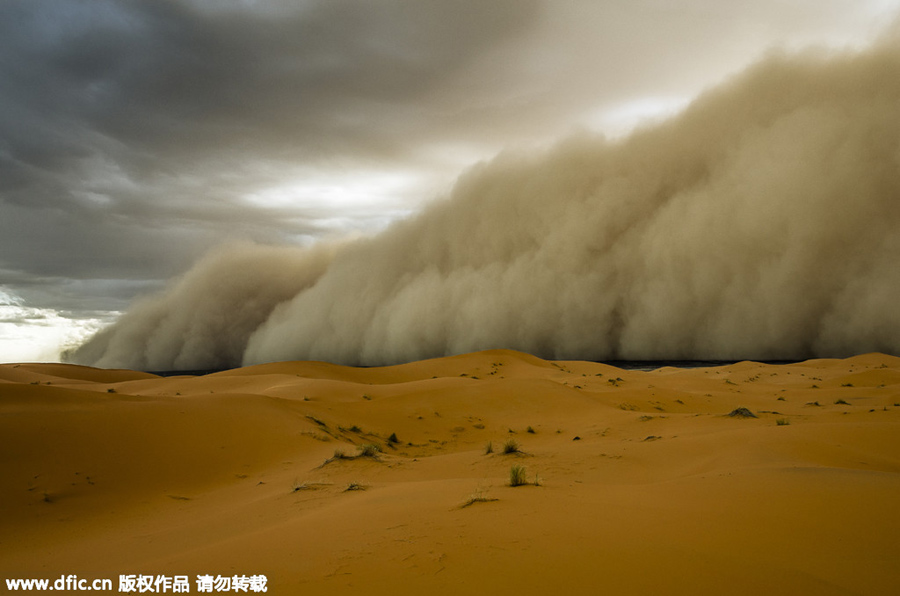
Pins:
x,y
346,201
29,334
620,120
337,190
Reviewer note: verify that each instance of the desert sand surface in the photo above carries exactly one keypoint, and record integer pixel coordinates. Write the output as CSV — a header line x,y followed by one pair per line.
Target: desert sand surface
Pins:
x,y
637,482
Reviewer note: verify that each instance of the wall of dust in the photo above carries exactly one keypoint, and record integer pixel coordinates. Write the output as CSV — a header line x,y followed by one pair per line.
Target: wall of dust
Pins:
x,y
762,222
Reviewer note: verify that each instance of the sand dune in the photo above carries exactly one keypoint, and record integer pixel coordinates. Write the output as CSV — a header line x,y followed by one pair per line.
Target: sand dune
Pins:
x,y
646,484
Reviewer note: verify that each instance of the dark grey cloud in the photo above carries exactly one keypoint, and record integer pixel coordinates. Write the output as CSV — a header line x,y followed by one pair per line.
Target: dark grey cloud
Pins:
x,y
130,132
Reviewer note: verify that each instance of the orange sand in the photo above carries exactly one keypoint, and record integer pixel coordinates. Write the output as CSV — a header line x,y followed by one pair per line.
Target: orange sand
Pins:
x,y
117,472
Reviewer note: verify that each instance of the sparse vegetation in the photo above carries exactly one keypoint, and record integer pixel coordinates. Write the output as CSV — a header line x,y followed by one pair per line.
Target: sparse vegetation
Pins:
x,y
369,450
111,390
355,486
841,402
477,497
782,422
847,385
393,438
355,429
742,413
489,448
530,430
517,475
298,486
511,446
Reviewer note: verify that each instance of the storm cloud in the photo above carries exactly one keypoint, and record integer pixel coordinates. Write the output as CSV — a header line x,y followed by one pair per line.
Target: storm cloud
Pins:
x,y
761,222
134,136
137,136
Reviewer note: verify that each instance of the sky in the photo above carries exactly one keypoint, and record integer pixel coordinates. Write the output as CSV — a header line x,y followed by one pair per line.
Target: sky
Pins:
x,y
137,136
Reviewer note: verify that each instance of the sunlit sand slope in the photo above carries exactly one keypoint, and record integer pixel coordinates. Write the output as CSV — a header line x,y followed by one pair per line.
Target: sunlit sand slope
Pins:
x,y
634,482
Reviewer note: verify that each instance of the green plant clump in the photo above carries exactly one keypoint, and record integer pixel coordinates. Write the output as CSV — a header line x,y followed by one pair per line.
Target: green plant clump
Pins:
x,y
517,476
369,450
510,446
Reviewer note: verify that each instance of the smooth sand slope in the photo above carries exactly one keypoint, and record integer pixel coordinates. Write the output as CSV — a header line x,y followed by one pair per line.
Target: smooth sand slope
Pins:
x,y
646,485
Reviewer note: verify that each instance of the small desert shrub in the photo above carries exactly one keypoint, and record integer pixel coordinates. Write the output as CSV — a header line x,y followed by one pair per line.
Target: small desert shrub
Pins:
x,y
510,446
477,497
742,413
369,450
339,454
530,430
489,448
298,486
355,486
517,476
355,429
782,422
393,438
111,390
841,402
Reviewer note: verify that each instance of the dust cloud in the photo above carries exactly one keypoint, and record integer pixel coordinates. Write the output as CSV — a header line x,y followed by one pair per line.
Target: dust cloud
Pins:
x,y
762,222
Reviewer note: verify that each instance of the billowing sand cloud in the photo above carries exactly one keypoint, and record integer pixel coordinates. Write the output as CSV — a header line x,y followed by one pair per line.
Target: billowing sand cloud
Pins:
x,y
762,222
204,319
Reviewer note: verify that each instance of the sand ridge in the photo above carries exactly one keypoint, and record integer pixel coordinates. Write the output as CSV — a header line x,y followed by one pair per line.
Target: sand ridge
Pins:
x,y
636,481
